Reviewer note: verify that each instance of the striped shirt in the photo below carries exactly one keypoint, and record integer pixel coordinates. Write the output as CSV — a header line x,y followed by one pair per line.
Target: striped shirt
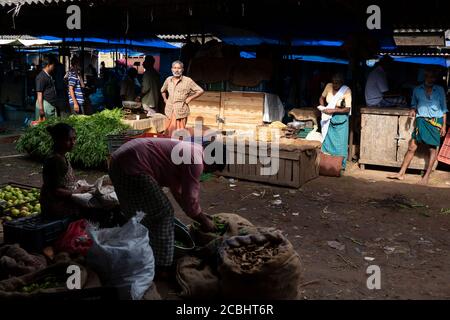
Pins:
x,y
178,93
74,81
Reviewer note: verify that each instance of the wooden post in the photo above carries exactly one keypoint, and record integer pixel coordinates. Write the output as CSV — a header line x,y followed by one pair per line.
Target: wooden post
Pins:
x,y
126,54
82,58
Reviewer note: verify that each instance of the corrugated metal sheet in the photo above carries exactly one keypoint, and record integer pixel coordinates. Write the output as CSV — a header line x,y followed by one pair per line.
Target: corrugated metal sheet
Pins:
x,y
22,2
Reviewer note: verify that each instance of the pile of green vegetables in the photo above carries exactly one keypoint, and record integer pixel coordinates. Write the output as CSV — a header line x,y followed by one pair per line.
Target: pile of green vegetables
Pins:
x,y
91,149
221,226
47,283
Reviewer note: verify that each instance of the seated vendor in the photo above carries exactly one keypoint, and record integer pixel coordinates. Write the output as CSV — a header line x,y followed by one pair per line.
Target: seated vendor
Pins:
x,y
59,182
377,90
337,98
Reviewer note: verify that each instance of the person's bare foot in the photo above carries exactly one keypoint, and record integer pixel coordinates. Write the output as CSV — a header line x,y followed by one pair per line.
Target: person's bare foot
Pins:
x,y
424,181
397,176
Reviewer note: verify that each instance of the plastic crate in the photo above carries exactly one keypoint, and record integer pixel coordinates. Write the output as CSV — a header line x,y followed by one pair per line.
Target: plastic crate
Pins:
x,y
444,153
115,141
34,233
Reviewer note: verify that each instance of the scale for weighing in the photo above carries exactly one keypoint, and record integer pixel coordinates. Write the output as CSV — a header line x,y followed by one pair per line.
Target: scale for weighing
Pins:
x,y
133,110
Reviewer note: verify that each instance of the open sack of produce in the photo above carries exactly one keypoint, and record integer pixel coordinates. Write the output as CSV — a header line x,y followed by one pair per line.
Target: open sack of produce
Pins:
x,y
227,225
123,258
240,261
259,266
50,280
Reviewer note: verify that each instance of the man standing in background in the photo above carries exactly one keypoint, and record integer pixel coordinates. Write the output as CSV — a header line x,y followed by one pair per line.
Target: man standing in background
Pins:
x,y
75,87
182,90
46,91
150,87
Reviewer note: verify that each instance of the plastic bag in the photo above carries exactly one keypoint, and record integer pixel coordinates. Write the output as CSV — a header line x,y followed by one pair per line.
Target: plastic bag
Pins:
x,y
123,257
104,192
102,195
75,239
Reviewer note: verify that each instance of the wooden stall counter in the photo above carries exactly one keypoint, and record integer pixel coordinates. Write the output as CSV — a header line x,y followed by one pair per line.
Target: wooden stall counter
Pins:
x,y
295,162
238,111
385,135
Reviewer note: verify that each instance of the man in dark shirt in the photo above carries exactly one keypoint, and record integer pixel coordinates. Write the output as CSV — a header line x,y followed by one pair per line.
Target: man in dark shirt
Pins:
x,y
46,90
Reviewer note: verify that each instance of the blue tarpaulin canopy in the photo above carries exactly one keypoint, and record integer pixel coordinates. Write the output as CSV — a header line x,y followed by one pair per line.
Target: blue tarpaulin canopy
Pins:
x,y
322,59
316,43
149,43
130,53
440,61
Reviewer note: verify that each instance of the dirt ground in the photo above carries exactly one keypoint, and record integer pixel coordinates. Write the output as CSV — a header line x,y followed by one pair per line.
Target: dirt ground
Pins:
x,y
400,226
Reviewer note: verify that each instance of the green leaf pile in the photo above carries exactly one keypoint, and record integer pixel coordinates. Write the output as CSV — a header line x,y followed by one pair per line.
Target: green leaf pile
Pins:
x,y
91,149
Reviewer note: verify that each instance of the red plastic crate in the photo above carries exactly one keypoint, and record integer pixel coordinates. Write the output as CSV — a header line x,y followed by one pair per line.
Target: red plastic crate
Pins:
x,y
444,153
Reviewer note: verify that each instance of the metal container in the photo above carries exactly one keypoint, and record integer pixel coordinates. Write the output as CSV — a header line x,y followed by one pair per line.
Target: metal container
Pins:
x,y
182,235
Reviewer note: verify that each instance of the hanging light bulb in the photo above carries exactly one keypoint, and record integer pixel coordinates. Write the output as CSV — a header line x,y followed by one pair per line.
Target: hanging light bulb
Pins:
x,y
243,9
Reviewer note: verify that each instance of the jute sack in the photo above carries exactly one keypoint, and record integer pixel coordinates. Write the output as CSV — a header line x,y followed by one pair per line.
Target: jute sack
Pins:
x,y
259,266
197,279
11,288
236,225
15,261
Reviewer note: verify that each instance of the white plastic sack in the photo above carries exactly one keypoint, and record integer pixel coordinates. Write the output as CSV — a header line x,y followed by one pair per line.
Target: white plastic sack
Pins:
x,y
104,192
123,257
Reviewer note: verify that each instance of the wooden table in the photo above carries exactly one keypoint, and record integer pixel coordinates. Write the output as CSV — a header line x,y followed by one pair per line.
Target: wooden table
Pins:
x,y
385,135
155,124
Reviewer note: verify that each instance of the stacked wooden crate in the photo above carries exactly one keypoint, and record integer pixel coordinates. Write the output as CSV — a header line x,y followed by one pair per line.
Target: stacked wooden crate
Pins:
x,y
240,111
295,163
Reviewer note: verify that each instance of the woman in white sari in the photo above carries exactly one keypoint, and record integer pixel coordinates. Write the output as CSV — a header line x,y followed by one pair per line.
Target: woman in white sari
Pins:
x,y
335,104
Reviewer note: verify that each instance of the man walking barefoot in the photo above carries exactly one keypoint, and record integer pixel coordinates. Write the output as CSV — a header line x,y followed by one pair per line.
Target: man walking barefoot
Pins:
x,y
429,106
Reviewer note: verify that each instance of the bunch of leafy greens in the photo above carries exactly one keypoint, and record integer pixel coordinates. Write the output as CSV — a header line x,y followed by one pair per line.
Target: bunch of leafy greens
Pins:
x,y
91,149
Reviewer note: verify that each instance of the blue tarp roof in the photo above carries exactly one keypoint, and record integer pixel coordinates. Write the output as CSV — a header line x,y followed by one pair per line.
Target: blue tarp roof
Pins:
x,y
441,61
249,41
322,59
316,43
150,43
130,53
256,40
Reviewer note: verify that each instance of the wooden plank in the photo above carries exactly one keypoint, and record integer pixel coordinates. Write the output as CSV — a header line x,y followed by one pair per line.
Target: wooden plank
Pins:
x,y
242,111
386,111
394,164
378,137
309,165
296,174
205,108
